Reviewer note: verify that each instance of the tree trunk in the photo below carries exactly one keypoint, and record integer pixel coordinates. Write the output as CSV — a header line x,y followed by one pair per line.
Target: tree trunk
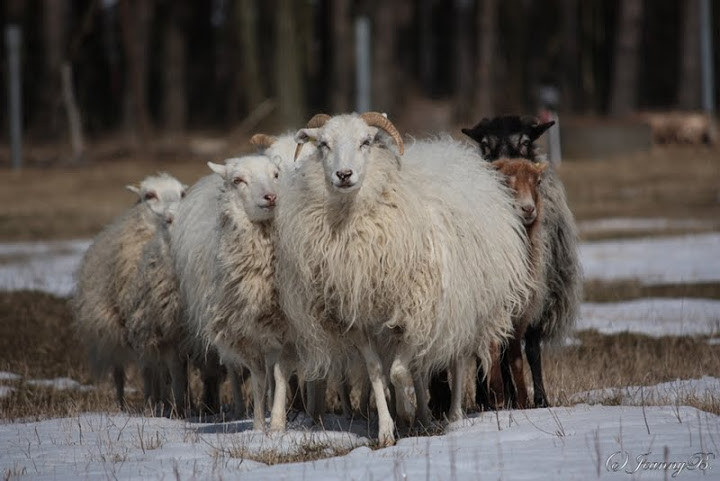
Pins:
x,y
174,89
252,83
689,86
55,38
487,37
570,62
342,46
288,73
136,17
625,62
463,61
384,74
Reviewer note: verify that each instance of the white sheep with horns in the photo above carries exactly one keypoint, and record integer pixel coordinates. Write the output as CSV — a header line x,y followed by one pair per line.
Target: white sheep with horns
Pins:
x,y
419,256
223,251
106,292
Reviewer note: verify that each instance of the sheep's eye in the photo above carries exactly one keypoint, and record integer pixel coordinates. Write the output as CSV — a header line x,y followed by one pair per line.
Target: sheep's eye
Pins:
x,y
275,176
182,194
539,180
150,195
238,180
365,143
323,145
525,142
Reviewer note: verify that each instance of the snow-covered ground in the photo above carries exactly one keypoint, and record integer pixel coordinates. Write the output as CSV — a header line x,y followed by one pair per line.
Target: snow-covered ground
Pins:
x,y
49,266
653,317
656,260
641,224
44,266
669,393
576,443
637,440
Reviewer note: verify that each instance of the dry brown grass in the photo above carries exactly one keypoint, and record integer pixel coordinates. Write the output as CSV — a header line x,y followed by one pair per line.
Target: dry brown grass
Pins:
x,y
626,359
625,290
37,342
64,202
671,182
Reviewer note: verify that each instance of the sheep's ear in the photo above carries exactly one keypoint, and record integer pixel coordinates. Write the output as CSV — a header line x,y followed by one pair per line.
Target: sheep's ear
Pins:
x,y
537,130
220,170
306,135
133,189
498,164
541,167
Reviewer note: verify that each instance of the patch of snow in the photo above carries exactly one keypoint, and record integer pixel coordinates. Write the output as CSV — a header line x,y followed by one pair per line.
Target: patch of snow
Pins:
x,y
653,317
714,341
573,443
667,393
5,391
60,384
640,224
657,260
45,266
49,266
9,376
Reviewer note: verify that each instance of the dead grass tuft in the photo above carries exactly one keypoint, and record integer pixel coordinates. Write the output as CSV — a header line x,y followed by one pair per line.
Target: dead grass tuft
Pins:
x,y
627,359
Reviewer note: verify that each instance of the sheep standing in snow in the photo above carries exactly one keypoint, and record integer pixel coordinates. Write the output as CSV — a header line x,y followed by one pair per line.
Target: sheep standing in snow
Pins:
x,y
563,272
106,291
419,257
524,178
223,250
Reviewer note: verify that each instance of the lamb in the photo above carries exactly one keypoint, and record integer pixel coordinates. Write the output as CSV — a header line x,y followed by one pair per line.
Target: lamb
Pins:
x,y
563,272
524,178
223,251
420,257
105,291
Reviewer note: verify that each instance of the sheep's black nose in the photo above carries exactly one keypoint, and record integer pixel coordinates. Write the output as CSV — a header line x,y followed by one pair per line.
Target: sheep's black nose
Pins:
x,y
344,175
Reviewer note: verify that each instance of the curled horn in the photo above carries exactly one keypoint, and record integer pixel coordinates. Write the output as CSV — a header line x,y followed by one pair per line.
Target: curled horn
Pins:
x,y
262,141
376,119
317,121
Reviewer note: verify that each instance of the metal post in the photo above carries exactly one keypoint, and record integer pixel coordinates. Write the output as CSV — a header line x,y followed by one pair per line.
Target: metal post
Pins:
x,y
362,66
13,40
706,57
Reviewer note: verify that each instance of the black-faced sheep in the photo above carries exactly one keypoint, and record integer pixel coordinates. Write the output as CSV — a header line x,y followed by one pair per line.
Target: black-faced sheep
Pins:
x,y
418,257
563,272
106,291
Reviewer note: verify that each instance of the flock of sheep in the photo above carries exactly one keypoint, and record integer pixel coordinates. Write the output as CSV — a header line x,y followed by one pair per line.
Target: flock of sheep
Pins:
x,y
335,248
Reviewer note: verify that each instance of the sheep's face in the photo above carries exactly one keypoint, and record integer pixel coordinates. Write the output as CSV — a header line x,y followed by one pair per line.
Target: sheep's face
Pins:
x,y
254,181
523,177
507,136
344,145
161,194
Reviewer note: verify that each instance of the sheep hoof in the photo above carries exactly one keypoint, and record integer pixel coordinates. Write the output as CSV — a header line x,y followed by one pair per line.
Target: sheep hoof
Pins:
x,y
386,440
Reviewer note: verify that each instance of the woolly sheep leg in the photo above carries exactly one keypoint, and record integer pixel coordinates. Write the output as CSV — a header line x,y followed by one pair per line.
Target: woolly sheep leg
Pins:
x,y
278,411
515,359
386,435
406,402
345,398
496,387
316,392
259,385
533,353
459,367
238,376
421,390
119,378
177,366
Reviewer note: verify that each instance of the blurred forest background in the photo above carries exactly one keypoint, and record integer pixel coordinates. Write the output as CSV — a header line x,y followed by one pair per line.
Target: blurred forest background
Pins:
x,y
139,70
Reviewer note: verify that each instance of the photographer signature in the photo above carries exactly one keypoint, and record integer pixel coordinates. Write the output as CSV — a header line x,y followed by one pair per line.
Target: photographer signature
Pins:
x,y
620,461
